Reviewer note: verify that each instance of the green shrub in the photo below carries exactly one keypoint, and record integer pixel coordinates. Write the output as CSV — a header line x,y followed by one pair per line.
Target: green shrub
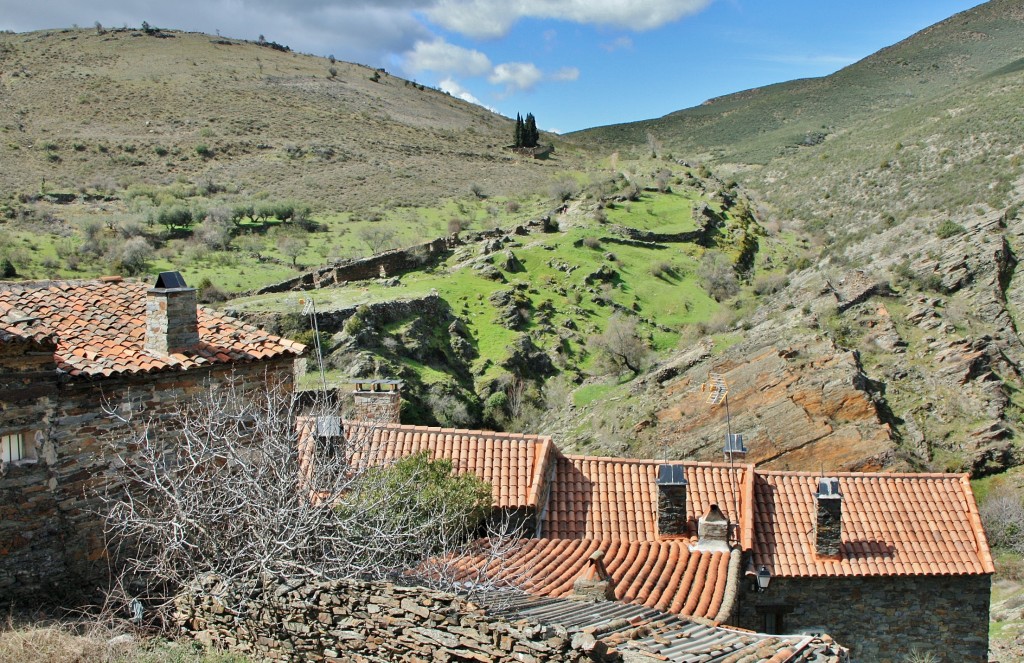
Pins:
x,y
948,229
416,491
204,151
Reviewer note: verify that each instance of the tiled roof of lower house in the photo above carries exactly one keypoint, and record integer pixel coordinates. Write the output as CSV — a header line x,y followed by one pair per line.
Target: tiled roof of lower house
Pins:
x,y
513,464
595,497
659,635
663,575
892,524
100,330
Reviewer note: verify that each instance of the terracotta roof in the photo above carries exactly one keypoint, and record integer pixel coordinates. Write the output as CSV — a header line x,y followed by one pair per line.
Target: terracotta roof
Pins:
x,y
99,329
513,464
892,524
663,575
618,498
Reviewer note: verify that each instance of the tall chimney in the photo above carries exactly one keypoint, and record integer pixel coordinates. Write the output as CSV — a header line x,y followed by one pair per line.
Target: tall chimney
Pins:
x,y
378,401
828,526
172,322
672,519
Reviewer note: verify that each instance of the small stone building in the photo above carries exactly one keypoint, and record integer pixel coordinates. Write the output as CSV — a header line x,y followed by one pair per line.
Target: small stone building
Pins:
x,y
70,354
888,564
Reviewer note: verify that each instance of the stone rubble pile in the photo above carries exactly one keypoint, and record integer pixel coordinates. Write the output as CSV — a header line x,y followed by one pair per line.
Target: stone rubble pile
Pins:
x,y
345,620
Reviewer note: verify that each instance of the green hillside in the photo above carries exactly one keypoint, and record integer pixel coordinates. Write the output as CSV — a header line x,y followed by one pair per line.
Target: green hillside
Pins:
x,y
758,125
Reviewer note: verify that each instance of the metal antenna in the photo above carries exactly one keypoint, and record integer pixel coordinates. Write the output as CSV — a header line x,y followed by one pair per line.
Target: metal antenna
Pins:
x,y
309,308
719,393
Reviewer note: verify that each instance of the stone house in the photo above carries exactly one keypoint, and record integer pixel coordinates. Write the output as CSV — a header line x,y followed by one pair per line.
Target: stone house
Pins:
x,y
71,353
888,564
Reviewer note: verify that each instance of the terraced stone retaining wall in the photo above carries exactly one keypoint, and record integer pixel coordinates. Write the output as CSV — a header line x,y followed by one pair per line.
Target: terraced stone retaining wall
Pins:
x,y
393,263
882,619
272,620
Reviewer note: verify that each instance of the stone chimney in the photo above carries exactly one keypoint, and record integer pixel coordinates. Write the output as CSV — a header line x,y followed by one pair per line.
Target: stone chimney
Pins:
x,y
172,322
595,583
378,401
828,526
713,530
672,520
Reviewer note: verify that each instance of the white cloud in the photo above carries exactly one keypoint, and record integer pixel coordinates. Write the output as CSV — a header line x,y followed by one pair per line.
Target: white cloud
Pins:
x,y
440,56
494,18
516,76
618,44
565,74
356,30
452,87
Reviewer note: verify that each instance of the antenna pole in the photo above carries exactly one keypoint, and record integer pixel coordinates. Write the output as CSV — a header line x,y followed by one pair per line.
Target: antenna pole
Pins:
x,y
315,326
732,470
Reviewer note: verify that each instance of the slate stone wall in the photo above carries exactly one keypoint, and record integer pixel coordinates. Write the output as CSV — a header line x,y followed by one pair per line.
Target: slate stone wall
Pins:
x,y
52,545
395,262
269,620
882,619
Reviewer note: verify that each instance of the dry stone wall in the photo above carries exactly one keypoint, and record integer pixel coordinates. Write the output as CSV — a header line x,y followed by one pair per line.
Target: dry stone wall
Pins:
x,y
346,620
392,263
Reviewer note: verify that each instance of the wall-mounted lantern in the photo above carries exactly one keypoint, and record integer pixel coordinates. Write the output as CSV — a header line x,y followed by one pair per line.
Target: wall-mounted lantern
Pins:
x,y
762,578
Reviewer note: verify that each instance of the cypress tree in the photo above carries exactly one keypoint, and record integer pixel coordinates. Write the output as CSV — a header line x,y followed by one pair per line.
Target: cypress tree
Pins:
x,y
530,133
519,137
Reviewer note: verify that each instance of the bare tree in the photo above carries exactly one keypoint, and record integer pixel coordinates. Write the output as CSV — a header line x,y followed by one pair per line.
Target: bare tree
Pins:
x,y
236,483
292,246
621,346
378,238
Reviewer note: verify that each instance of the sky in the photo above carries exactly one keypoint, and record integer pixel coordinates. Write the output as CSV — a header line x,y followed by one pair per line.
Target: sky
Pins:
x,y
574,64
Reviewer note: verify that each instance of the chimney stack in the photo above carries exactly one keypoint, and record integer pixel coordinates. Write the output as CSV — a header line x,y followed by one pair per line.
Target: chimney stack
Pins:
x,y
828,526
672,519
713,530
172,321
595,583
378,401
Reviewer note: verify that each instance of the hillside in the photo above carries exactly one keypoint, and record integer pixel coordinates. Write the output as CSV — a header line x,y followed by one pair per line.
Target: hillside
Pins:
x,y
897,343
758,125
82,110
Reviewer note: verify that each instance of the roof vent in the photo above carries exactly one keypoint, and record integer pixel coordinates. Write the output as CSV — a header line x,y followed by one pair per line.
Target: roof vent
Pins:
x,y
167,280
828,487
671,475
734,449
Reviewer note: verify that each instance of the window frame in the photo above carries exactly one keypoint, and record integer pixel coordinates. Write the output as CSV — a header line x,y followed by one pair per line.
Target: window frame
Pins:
x,y
20,441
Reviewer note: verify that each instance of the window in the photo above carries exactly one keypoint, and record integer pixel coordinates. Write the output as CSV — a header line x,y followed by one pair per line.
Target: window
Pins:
x,y
773,617
12,447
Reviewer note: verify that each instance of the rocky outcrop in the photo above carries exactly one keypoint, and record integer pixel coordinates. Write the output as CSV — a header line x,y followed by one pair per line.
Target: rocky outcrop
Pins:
x,y
798,407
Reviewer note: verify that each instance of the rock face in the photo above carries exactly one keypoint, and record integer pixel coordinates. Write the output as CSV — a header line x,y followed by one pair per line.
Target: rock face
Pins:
x,y
796,406
910,363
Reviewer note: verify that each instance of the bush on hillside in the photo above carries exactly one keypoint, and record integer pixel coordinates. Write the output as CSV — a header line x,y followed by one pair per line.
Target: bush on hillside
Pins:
x,y
1003,517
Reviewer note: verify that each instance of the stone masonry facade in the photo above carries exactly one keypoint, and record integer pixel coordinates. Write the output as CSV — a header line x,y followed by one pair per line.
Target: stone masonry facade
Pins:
x,y
352,621
51,534
882,619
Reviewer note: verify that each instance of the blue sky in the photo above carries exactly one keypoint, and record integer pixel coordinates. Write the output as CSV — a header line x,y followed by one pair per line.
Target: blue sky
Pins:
x,y
572,63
